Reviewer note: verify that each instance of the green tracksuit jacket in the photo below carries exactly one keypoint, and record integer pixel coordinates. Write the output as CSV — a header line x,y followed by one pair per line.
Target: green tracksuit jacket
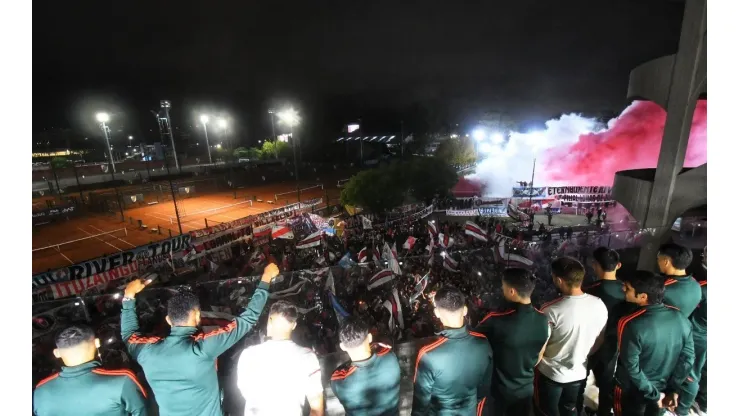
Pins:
x,y
516,337
453,374
369,387
683,292
87,389
181,368
655,352
609,291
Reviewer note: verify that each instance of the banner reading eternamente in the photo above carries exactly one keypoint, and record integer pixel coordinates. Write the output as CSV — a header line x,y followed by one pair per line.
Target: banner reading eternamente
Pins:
x,y
461,212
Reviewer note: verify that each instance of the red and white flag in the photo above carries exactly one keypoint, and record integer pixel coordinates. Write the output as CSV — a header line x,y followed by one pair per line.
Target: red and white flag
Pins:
x,y
409,244
257,258
376,256
393,304
262,231
313,240
390,256
432,227
450,264
445,240
472,229
362,255
282,231
380,278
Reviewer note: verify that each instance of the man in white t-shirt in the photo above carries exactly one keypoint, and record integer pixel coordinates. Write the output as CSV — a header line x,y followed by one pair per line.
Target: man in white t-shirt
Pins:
x,y
277,376
577,320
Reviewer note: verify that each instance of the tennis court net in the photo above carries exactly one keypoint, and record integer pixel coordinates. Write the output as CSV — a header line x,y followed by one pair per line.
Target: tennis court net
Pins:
x,y
105,236
211,211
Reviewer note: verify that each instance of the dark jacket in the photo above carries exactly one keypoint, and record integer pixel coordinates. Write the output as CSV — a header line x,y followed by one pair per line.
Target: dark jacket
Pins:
x,y
609,291
369,387
516,337
181,368
453,374
655,351
87,389
682,292
699,317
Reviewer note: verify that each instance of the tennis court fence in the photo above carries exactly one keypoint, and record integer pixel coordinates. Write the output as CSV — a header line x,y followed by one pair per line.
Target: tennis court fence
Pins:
x,y
121,232
211,211
283,194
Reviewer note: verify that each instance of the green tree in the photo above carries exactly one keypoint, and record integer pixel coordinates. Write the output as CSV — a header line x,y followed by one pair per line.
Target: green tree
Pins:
x,y
59,162
429,176
240,152
460,151
375,190
268,150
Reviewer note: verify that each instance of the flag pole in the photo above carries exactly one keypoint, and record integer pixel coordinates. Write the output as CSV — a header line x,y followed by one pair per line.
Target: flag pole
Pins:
x,y
531,185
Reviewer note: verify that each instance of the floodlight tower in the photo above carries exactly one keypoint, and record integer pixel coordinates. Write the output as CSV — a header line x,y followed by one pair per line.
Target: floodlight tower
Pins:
x,y
103,118
165,127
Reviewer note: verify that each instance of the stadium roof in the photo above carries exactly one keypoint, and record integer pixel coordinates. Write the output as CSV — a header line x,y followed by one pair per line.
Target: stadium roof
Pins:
x,y
376,139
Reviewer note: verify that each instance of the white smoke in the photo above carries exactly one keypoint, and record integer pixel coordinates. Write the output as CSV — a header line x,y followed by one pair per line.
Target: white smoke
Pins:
x,y
510,161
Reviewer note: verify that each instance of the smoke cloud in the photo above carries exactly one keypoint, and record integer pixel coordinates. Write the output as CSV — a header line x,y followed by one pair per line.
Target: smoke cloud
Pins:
x,y
575,150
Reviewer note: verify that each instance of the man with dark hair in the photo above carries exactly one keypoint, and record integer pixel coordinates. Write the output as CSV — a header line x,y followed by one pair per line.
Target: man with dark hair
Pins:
x,y
605,263
453,373
277,376
371,383
181,368
696,388
655,350
681,290
518,337
577,321
83,387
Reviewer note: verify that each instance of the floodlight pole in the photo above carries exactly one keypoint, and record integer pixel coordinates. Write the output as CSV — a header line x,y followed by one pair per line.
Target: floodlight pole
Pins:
x,y
107,143
295,163
205,129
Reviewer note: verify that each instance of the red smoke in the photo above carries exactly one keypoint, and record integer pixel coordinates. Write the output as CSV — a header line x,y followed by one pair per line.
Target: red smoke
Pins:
x,y
632,142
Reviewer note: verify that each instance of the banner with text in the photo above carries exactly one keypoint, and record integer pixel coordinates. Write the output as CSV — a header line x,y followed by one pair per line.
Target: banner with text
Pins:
x,y
175,245
461,212
493,211
79,286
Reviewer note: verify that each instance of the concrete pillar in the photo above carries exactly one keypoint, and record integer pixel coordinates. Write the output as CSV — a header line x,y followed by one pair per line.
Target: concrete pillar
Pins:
x,y
686,81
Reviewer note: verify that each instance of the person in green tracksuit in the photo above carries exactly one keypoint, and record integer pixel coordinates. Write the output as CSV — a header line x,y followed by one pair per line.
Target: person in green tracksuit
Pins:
x,y
690,391
369,385
83,387
181,368
605,263
518,337
453,373
655,350
681,290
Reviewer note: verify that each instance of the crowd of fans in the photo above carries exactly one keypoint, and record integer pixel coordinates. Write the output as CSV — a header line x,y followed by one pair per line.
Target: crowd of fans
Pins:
x,y
305,277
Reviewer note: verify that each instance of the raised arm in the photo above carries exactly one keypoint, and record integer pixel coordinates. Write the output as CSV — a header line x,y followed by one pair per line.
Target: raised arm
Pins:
x,y
130,335
214,343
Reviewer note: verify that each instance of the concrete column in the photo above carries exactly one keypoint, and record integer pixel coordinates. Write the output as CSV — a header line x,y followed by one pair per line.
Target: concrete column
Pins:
x,y
686,81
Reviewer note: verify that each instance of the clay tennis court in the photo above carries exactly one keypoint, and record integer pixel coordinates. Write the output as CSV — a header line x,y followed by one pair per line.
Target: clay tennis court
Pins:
x,y
69,242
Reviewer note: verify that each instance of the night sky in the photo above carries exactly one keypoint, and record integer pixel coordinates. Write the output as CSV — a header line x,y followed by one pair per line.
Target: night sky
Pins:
x,y
430,63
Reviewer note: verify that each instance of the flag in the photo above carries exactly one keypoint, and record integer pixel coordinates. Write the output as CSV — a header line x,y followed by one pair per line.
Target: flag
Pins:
x,y
346,261
214,266
367,224
393,304
472,229
312,240
282,231
329,285
390,256
339,311
362,255
262,231
445,240
502,255
409,244
432,227
257,258
380,278
450,264
376,256
189,255
420,286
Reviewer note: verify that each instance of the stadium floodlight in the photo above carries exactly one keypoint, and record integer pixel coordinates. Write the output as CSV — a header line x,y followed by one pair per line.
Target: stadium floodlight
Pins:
x,y
102,117
131,137
289,117
497,138
204,119
479,134
222,123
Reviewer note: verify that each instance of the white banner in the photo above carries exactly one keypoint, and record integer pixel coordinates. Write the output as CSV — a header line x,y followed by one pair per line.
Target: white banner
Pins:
x,y
462,213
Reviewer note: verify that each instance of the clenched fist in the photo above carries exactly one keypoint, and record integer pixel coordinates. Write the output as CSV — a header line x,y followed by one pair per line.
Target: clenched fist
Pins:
x,y
134,287
271,271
